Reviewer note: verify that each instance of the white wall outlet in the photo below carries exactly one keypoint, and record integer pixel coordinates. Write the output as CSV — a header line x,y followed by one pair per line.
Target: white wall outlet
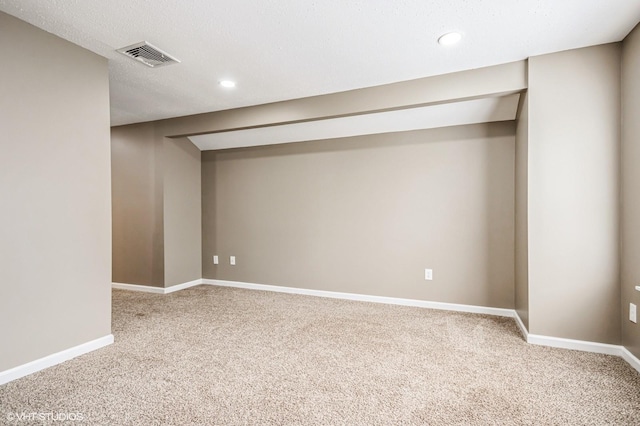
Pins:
x,y
632,313
428,274
232,260
215,260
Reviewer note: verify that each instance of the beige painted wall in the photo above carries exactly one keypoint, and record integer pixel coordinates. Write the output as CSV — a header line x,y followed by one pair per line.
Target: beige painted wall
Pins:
x,y
157,231
630,188
139,242
182,212
55,238
368,214
138,206
574,156
521,212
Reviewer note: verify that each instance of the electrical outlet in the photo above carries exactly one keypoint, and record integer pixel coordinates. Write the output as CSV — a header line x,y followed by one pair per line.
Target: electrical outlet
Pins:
x,y
232,260
632,313
428,274
215,260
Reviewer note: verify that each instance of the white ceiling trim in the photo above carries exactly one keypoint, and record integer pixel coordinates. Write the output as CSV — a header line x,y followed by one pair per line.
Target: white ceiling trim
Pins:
x,y
475,111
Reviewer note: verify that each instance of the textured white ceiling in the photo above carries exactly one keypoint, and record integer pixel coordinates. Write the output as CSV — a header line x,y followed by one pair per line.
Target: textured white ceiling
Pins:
x,y
286,49
428,117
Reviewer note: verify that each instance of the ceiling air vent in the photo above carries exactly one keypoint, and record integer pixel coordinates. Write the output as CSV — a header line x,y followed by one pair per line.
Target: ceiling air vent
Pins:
x,y
148,54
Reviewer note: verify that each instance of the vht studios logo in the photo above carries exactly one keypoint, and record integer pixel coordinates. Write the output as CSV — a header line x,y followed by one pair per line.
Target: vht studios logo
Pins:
x,y
41,417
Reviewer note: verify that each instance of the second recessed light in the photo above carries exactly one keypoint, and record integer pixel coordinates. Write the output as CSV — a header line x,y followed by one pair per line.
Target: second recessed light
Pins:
x,y
449,38
227,83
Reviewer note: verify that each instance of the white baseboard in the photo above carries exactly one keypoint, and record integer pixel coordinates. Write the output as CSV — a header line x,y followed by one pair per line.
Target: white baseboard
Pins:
x,y
53,359
182,286
520,324
156,290
366,298
562,343
630,358
135,287
577,345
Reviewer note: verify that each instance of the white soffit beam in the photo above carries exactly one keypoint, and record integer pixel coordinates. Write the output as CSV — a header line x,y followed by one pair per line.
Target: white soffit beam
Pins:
x,y
485,110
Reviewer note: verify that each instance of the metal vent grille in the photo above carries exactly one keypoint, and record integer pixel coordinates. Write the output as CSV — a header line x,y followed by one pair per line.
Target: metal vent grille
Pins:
x,y
148,54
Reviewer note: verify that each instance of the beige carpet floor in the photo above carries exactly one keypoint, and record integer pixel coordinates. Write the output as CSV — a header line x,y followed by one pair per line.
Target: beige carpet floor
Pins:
x,y
222,356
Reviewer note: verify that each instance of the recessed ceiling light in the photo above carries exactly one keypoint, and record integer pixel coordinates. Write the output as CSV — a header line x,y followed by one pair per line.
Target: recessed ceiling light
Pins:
x,y
227,83
449,38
